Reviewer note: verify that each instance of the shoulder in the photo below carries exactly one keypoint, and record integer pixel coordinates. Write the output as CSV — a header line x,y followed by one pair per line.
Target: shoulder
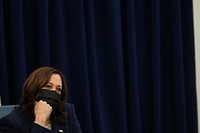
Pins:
x,y
72,118
69,107
11,121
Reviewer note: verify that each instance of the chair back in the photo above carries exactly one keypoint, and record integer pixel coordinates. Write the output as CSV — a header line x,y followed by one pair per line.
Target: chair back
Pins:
x,y
6,109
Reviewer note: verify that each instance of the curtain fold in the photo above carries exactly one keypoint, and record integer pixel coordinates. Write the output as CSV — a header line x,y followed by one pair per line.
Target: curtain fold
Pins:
x,y
129,64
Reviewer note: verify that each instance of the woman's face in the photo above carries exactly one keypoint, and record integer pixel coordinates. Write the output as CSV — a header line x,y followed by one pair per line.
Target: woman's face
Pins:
x,y
55,83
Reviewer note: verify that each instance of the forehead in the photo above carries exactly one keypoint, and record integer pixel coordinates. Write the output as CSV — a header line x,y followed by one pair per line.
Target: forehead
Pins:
x,y
55,78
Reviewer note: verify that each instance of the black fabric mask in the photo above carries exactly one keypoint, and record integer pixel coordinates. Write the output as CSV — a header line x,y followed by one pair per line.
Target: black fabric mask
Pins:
x,y
51,97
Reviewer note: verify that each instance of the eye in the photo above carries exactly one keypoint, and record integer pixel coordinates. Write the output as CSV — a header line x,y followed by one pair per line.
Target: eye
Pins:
x,y
59,90
48,86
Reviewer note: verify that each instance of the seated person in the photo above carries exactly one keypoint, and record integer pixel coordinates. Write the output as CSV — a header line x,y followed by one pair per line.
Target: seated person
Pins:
x,y
43,107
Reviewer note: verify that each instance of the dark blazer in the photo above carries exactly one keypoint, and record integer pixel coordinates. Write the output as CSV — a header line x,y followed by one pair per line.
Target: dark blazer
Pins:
x,y
13,123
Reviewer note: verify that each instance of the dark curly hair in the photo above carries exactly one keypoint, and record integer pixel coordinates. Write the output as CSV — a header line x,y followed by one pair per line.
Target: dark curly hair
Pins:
x,y
35,81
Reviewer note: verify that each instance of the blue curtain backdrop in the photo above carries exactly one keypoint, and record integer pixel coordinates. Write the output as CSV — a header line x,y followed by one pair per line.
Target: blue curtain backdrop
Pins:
x,y
129,64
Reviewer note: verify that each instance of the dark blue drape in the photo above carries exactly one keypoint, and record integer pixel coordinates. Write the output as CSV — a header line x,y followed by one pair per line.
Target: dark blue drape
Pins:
x,y
129,64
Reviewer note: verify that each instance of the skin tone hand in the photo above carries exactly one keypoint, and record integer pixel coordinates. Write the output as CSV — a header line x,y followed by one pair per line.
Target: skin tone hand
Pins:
x,y
42,112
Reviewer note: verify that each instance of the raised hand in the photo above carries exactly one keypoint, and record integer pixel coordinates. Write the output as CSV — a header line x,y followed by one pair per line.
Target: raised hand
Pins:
x,y
42,112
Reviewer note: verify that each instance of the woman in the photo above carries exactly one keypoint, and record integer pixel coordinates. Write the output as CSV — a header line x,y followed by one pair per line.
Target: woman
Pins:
x,y
43,107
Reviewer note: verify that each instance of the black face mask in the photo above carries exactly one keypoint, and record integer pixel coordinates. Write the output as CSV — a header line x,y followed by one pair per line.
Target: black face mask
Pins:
x,y
51,97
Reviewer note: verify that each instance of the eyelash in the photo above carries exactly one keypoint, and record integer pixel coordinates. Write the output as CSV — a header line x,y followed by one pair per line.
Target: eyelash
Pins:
x,y
49,86
60,89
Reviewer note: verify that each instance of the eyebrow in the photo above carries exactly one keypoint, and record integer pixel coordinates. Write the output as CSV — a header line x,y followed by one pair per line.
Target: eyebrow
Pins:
x,y
52,84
